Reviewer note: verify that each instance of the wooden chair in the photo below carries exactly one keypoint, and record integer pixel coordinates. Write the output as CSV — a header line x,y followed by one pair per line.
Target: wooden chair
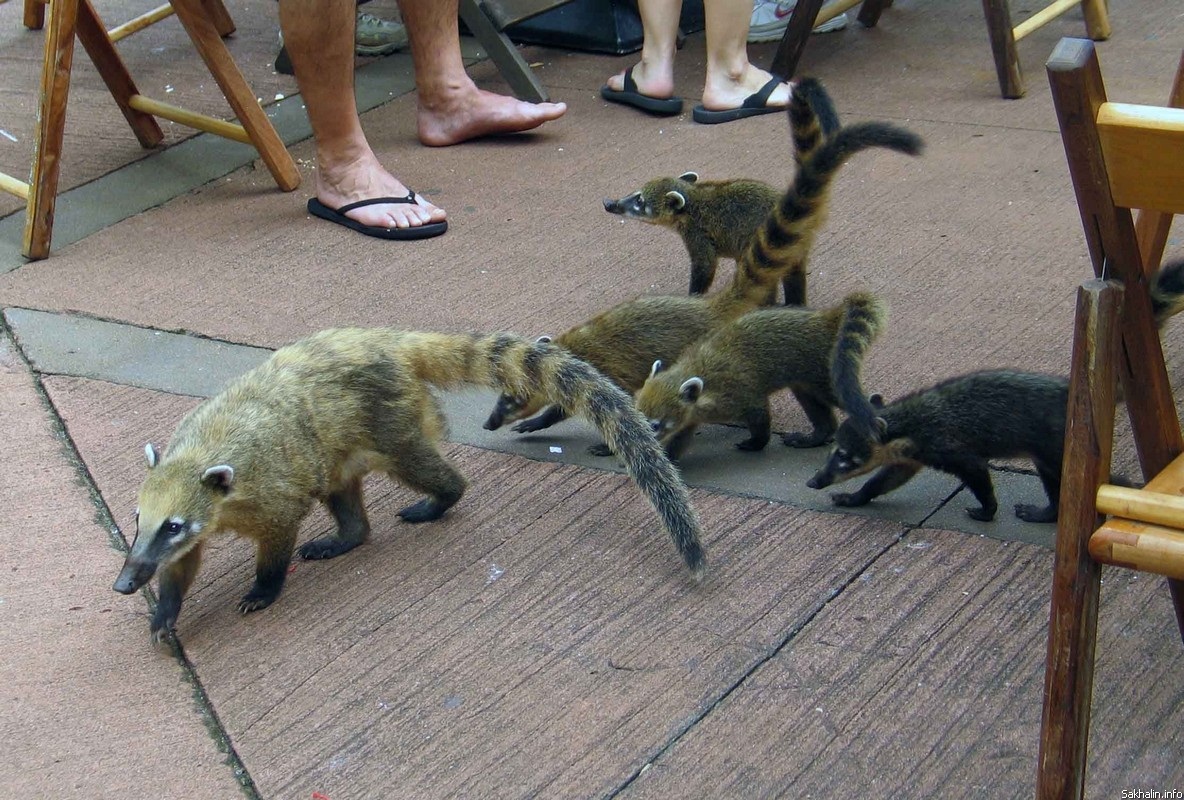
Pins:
x,y
204,21
487,20
1003,34
1121,157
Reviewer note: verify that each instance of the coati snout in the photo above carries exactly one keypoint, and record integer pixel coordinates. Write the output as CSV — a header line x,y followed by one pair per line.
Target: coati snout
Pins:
x,y
133,576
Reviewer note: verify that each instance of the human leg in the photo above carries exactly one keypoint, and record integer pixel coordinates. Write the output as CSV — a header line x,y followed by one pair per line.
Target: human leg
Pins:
x,y
731,78
451,107
319,36
653,76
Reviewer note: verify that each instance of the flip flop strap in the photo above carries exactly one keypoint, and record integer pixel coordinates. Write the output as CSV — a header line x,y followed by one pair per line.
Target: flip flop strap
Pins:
x,y
629,85
410,199
761,98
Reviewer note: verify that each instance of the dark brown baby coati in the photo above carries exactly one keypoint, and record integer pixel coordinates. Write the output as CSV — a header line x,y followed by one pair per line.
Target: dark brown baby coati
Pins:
x,y
961,423
719,218
728,376
313,420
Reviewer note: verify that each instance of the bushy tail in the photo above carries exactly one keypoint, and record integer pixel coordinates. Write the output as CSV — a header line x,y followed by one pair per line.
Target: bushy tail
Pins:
x,y
783,242
522,368
1167,291
863,319
812,118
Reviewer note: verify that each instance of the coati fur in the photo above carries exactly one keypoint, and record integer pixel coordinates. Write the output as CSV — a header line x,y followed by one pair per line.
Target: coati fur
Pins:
x,y
624,341
313,420
960,423
719,218
956,427
729,375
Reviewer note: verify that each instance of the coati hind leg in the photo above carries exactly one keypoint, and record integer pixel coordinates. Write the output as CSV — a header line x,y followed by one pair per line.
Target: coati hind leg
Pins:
x,y
1051,480
420,466
353,527
975,473
175,581
760,429
821,416
885,480
272,556
794,285
544,419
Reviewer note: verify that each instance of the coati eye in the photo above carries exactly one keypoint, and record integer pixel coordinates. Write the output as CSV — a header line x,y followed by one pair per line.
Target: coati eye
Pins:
x,y
656,425
172,527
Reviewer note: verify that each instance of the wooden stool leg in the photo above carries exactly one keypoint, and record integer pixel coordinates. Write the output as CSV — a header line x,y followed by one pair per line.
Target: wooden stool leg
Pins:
x,y
34,15
869,12
51,125
242,100
93,35
1007,61
1097,19
793,41
218,14
1072,625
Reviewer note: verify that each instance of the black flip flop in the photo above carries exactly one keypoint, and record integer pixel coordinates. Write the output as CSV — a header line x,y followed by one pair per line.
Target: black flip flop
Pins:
x,y
629,96
753,106
319,209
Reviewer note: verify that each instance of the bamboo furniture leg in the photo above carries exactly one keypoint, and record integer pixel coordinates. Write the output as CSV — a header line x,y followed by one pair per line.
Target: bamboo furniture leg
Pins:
x,y
1004,35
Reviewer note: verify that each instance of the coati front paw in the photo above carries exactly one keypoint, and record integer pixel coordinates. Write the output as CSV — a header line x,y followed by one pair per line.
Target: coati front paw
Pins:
x,y
752,445
325,547
848,499
601,449
981,514
531,425
162,628
1030,513
256,600
425,510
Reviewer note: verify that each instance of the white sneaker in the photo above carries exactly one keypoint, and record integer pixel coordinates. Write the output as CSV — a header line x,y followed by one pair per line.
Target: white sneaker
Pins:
x,y
770,18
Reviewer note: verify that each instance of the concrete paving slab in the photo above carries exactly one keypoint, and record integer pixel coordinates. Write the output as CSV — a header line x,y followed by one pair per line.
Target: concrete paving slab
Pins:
x,y
88,710
924,679
513,647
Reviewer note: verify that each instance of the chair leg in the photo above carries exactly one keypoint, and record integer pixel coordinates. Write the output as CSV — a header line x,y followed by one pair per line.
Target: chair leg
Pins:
x,y
1072,624
34,15
1007,62
793,41
223,23
234,86
869,12
1097,19
51,126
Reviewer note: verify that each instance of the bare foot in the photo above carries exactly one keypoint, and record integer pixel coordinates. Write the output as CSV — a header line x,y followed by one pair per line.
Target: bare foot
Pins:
x,y
469,113
364,178
725,92
652,80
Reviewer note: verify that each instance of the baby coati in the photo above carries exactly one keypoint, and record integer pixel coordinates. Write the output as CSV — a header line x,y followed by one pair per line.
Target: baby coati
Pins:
x,y
718,218
624,341
960,423
956,426
313,420
729,375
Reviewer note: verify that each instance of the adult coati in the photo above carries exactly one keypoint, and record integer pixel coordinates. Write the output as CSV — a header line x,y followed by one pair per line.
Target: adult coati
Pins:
x,y
718,218
729,375
624,341
319,415
961,423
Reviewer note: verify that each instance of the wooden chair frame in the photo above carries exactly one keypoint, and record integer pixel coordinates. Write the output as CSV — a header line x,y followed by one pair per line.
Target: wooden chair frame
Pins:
x,y
204,21
808,14
1120,158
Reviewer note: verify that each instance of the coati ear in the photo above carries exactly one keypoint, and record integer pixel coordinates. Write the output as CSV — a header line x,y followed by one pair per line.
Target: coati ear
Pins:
x,y
691,389
877,401
219,477
689,177
657,367
676,200
151,455
544,339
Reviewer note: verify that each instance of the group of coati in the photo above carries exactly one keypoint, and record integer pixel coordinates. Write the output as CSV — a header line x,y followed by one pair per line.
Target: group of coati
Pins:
x,y
312,421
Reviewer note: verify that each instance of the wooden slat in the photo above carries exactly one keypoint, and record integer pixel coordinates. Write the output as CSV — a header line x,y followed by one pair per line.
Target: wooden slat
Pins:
x,y
1141,505
1042,17
1141,546
1152,227
192,119
1144,152
13,185
140,22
